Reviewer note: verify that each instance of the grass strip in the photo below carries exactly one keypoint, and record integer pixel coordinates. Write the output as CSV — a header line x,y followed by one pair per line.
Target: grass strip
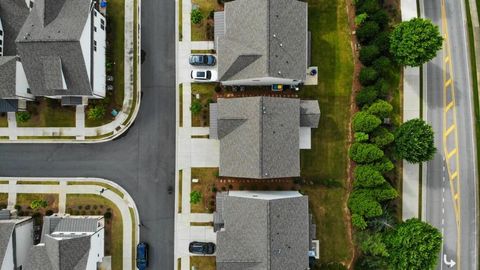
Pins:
x,y
38,182
180,184
204,224
180,20
93,183
180,105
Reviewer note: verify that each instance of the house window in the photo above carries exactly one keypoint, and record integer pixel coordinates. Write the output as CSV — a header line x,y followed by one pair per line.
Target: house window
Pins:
x,y
29,91
95,12
1,42
31,4
102,24
1,49
95,45
1,32
95,28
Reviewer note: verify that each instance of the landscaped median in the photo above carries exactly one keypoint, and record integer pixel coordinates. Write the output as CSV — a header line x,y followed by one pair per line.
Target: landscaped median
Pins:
x,y
47,121
75,196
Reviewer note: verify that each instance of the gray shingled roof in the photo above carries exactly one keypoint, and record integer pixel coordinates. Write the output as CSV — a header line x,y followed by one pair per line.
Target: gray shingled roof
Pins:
x,y
259,137
13,14
8,70
263,38
309,113
51,34
263,234
65,254
53,224
6,230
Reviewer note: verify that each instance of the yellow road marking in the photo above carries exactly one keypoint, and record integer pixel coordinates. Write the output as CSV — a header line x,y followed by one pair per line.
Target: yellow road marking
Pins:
x,y
449,130
448,81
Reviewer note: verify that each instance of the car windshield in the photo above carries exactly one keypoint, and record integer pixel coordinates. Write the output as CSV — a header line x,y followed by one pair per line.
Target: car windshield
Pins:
x,y
201,74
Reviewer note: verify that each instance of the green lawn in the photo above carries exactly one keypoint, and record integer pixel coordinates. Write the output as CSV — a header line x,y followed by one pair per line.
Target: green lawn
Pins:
x,y
207,92
207,178
327,159
199,31
47,112
77,204
25,199
203,262
115,63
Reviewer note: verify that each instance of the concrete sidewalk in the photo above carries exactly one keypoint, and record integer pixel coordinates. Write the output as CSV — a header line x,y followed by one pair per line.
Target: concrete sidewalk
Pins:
x,y
110,130
124,204
411,109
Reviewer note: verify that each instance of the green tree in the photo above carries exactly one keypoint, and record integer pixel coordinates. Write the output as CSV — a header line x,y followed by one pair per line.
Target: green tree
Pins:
x,y
366,96
381,137
382,87
383,192
196,107
368,54
195,197
196,16
380,108
383,165
413,245
36,204
415,42
381,17
359,222
414,141
367,6
96,113
365,153
382,41
23,117
361,137
367,76
366,176
367,32
365,122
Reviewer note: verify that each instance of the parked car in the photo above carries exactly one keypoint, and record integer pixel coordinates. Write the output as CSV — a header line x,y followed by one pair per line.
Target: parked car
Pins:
x,y
201,248
202,60
201,75
142,256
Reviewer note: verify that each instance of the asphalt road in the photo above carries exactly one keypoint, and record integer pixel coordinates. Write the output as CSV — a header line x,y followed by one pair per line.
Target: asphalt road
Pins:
x,y
143,160
460,232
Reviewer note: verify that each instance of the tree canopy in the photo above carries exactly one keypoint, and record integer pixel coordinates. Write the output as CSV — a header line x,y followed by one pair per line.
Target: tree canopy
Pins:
x,y
414,141
367,176
365,153
415,42
380,108
413,245
365,122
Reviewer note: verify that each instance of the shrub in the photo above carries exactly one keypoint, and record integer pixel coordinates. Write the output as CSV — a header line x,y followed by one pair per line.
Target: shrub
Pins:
x,y
414,141
366,96
96,113
195,197
360,18
359,222
415,42
380,108
196,107
368,54
17,207
380,17
196,16
383,165
365,153
361,137
372,243
365,122
382,65
367,31
382,137
49,212
368,6
382,87
36,204
366,176
107,215
368,76
361,203
87,207
382,41
23,117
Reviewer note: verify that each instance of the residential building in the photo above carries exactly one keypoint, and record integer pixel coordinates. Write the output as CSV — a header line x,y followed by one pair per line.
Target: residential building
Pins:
x,y
263,230
51,48
262,42
68,243
16,238
261,137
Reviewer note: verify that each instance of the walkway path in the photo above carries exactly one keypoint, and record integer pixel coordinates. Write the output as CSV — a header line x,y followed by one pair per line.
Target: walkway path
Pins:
x,y
191,152
110,130
411,109
123,203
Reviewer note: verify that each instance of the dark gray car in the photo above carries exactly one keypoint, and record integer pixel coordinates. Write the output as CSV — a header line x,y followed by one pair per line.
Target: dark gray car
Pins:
x,y
201,248
202,60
